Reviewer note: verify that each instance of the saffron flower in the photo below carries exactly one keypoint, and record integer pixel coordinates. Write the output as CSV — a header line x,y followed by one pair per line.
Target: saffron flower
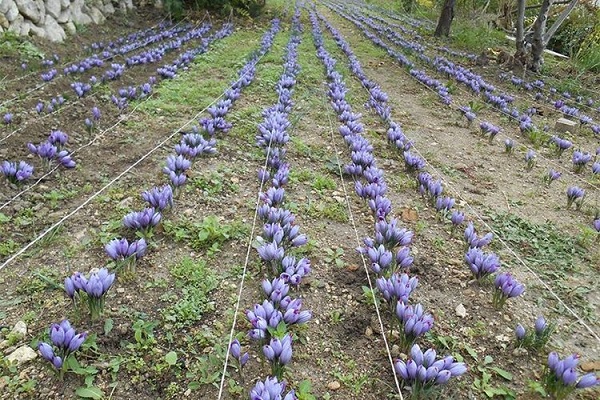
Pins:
x,y
530,159
551,176
509,146
272,254
143,221
16,173
457,218
560,377
235,349
506,287
92,289
490,129
575,195
397,288
413,323
560,144
580,160
96,113
124,253
413,162
481,264
424,373
159,197
279,354
271,388
538,337
520,332
64,342
475,241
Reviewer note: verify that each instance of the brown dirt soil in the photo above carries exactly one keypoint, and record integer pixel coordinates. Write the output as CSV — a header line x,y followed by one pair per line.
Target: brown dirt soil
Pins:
x,y
341,350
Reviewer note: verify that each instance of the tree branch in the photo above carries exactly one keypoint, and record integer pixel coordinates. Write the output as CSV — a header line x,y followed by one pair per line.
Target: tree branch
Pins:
x,y
559,21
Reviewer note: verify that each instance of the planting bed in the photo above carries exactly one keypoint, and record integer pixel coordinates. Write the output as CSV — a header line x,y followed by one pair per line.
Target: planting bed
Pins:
x,y
336,136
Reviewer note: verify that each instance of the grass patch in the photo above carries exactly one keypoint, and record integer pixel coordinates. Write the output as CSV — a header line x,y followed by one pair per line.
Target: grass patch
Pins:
x,y
209,234
327,208
11,45
214,69
194,282
558,258
215,183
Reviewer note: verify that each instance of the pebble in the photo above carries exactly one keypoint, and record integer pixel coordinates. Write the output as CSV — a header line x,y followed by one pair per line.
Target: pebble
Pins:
x,y
22,355
461,311
19,331
396,351
333,385
591,366
368,332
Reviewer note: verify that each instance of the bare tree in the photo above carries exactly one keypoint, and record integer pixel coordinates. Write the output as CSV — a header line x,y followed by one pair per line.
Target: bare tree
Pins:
x,y
530,47
537,40
446,17
521,53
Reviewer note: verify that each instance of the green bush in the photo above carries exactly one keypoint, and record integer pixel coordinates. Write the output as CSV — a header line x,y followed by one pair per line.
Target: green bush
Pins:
x,y
244,8
575,31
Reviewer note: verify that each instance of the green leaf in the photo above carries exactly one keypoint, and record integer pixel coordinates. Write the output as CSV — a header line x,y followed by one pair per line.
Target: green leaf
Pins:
x,y
4,218
488,360
304,386
171,358
90,392
472,352
505,374
108,326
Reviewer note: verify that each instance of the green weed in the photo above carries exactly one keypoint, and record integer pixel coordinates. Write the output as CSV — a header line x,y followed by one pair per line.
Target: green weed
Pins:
x,y
195,281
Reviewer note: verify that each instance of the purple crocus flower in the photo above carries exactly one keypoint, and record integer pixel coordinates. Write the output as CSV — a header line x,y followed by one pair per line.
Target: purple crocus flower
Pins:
x,y
8,118
509,145
575,195
506,287
159,197
95,113
121,249
530,158
58,138
562,378
65,340
64,158
520,332
44,150
279,351
142,220
552,176
16,173
457,218
540,326
481,264
236,352
580,160
596,225
397,288
271,388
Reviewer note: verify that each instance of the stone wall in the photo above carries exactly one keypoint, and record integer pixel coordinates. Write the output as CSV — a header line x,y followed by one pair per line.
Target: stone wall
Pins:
x,y
52,19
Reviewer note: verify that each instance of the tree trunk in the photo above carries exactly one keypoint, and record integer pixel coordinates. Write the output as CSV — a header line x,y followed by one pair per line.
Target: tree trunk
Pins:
x,y
548,35
537,42
520,36
446,17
